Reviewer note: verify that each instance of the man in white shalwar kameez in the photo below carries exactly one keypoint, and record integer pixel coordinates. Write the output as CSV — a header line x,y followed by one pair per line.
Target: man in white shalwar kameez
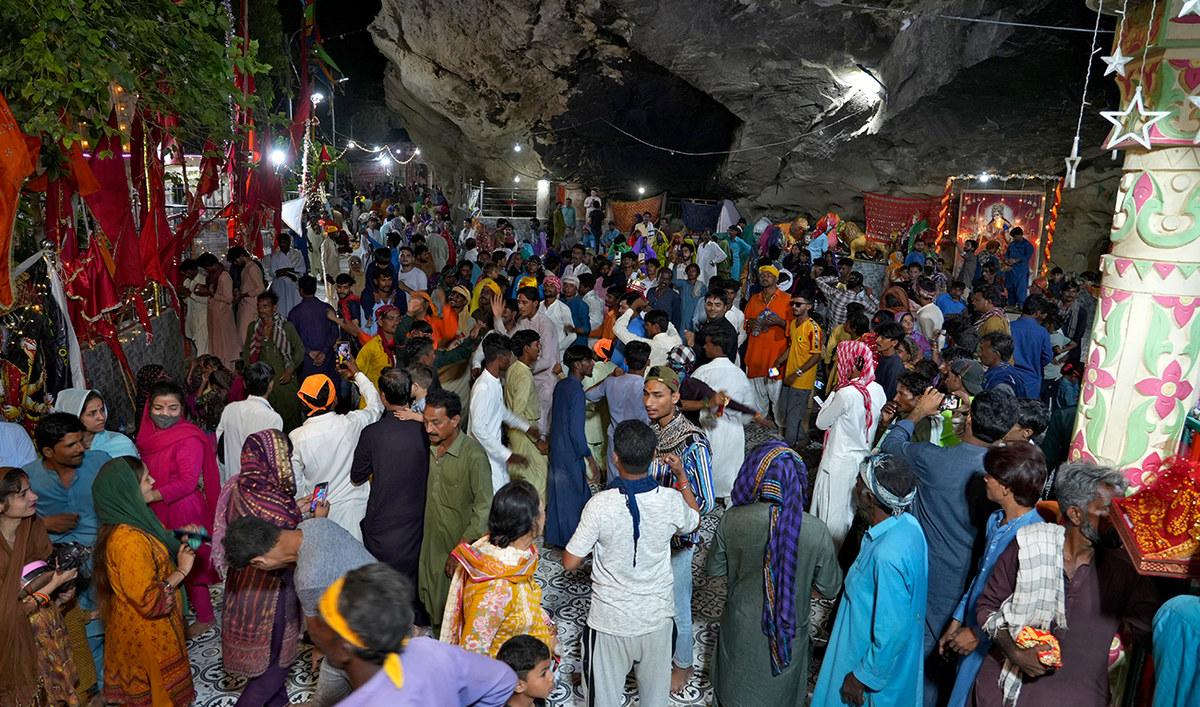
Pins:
x,y
286,265
727,432
850,416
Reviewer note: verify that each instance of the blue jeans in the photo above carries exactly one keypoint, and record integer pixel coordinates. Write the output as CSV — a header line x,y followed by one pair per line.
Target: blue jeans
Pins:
x,y
681,571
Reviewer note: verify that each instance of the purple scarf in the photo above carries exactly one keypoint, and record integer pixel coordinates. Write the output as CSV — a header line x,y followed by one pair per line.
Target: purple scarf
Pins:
x,y
776,474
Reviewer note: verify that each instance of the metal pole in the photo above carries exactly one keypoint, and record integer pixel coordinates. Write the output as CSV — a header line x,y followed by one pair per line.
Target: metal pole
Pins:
x,y
333,141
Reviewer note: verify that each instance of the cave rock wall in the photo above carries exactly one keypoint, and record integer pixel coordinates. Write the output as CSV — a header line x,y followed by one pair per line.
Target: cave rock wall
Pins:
x,y
614,93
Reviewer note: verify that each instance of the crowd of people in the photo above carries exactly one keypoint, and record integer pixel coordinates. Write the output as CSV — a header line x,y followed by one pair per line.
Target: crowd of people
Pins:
x,y
387,421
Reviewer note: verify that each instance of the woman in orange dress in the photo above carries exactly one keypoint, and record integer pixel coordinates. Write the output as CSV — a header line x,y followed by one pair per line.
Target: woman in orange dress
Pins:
x,y
137,583
36,667
493,595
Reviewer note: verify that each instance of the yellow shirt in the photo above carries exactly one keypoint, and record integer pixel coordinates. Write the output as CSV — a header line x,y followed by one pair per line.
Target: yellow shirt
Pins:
x,y
805,340
994,324
371,360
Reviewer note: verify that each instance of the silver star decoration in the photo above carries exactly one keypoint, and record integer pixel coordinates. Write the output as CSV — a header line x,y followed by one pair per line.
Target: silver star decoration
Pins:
x,y
1147,118
1195,101
1072,164
1189,7
1117,61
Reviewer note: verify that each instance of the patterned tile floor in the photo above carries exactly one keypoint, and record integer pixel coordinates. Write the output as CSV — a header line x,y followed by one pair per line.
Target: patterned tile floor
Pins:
x,y
566,595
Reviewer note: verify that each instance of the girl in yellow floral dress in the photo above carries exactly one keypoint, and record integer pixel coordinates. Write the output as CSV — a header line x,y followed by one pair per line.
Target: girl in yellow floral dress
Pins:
x,y
493,595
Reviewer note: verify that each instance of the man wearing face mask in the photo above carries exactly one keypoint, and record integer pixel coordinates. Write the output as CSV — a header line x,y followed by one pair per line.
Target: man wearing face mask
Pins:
x,y
1081,584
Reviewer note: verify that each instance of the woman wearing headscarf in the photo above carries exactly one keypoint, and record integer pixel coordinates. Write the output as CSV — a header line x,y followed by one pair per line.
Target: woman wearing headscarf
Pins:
x,y
493,595
88,406
769,548
908,322
895,300
208,385
139,565
260,624
183,462
849,417
36,667
147,376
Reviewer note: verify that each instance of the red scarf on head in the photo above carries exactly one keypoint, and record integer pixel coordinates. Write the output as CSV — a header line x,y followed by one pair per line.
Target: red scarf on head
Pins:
x,y
849,355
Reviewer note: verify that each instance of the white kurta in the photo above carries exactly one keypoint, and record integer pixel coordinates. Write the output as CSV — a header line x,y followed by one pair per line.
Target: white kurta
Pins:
x,y
727,433
560,314
285,287
196,324
323,450
847,443
239,420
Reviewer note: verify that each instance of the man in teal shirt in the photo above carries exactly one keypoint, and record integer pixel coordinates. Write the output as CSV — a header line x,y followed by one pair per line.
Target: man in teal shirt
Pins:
x,y
875,649
62,480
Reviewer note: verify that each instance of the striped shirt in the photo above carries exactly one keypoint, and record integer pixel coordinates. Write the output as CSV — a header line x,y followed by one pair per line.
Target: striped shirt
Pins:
x,y
683,439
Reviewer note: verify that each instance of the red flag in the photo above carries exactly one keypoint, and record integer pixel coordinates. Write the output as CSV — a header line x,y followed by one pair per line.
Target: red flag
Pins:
x,y
154,227
17,161
60,221
325,154
210,181
113,210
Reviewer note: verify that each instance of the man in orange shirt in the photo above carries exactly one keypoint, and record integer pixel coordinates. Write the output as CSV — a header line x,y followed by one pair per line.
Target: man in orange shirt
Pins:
x,y
768,314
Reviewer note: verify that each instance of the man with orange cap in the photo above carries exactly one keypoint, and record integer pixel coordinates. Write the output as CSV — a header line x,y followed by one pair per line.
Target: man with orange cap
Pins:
x,y
323,447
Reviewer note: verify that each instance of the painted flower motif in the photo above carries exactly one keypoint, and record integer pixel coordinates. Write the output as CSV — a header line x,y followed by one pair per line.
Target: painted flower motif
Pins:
x,y
1169,389
1078,449
1096,377
1189,72
1110,298
1182,307
1150,468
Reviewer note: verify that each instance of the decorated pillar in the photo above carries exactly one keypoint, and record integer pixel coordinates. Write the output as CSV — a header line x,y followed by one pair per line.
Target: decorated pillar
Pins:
x,y
1142,376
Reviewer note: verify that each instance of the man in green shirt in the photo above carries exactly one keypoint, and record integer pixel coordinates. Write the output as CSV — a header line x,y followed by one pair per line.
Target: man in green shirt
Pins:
x,y
458,499
272,339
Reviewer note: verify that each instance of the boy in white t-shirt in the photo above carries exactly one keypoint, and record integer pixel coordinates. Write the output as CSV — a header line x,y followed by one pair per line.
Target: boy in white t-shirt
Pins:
x,y
628,529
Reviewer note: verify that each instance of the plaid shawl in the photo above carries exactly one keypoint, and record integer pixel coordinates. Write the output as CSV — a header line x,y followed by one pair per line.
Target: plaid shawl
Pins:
x,y
1039,598
776,474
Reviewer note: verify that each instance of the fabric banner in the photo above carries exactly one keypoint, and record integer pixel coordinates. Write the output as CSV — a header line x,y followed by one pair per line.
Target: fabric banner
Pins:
x,y
113,210
894,214
293,214
624,211
17,160
701,217
729,216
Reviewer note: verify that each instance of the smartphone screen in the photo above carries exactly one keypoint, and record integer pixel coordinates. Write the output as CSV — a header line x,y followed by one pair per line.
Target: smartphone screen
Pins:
x,y
952,402
319,495
343,351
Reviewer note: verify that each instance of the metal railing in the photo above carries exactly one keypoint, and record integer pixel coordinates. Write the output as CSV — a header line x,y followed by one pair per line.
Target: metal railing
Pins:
x,y
513,202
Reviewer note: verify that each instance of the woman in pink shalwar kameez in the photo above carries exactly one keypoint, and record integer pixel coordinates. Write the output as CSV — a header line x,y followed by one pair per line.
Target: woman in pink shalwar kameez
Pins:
x,y
183,464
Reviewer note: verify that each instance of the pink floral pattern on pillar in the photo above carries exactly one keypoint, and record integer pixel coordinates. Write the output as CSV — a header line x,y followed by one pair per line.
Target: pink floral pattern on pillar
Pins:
x,y
1079,448
1189,72
1169,389
1109,297
1096,377
1150,466
1182,307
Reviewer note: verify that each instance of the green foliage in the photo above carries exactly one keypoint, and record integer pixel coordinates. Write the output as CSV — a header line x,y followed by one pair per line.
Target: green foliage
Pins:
x,y
61,57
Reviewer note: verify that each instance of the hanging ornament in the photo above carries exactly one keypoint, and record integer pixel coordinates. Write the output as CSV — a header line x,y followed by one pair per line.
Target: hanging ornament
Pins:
x,y
1117,61
1147,119
1189,7
1073,164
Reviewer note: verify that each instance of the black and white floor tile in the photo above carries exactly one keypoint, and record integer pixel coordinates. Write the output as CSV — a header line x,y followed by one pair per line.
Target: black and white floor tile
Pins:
x,y
566,595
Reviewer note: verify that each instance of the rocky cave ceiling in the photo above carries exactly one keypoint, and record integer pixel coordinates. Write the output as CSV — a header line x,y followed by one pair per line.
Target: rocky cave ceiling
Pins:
x,y
573,80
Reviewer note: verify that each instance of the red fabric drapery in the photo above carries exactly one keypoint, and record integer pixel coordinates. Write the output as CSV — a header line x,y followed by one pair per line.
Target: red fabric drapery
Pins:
x,y
114,212
886,215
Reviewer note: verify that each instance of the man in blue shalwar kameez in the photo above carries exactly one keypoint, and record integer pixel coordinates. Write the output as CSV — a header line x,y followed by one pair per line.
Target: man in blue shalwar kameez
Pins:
x,y
875,650
1017,256
566,487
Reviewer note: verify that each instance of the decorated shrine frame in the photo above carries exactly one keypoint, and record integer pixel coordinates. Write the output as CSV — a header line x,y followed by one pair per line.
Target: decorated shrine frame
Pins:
x,y
982,214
